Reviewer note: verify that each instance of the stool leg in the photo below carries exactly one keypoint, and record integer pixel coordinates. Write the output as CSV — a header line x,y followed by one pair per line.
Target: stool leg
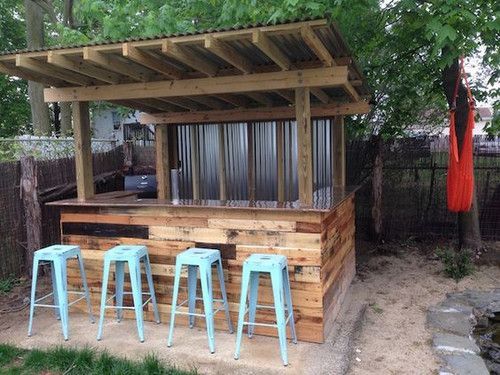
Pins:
x,y
62,292
135,279
33,294
54,290
119,281
173,307
289,305
220,272
149,276
242,309
206,288
252,301
85,286
277,281
192,281
104,295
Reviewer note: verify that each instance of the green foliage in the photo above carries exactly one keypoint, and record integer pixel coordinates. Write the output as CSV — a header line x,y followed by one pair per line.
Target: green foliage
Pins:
x,y
84,361
6,285
457,264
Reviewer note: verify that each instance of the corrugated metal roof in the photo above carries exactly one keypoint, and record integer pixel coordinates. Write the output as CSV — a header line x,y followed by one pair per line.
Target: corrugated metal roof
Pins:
x,y
161,36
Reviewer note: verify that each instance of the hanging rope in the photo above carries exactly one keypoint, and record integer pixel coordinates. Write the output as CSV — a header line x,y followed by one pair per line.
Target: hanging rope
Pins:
x,y
460,179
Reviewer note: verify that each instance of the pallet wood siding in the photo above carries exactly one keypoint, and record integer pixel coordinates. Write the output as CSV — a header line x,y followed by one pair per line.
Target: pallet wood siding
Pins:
x,y
315,242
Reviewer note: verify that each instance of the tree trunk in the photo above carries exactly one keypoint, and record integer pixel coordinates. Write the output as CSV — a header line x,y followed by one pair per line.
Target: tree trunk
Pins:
x,y
469,235
65,118
377,182
35,39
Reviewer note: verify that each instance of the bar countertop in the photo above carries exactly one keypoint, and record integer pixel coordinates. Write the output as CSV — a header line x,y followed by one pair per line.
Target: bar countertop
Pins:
x,y
324,200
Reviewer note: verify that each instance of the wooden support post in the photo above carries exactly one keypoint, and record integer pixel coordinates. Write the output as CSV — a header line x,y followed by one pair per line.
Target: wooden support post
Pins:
x,y
83,151
251,161
195,162
338,151
280,159
222,165
162,162
32,209
304,144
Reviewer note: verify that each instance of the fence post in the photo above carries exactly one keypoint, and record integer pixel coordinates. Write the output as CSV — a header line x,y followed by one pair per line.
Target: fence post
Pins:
x,y
32,209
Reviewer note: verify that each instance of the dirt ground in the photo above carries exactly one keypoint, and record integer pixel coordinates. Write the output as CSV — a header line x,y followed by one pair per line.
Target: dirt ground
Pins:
x,y
399,282
399,288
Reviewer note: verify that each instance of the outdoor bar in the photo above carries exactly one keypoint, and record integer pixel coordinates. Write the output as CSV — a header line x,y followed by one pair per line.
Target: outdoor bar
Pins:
x,y
287,80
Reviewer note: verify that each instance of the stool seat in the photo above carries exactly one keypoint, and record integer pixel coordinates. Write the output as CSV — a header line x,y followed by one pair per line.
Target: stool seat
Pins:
x,y
265,262
133,255
196,256
202,259
51,252
126,252
58,256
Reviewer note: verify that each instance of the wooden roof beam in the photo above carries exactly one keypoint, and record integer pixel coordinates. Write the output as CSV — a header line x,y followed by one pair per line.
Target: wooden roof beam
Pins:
x,y
266,45
30,76
237,101
227,53
92,71
149,61
316,45
107,61
187,57
319,77
351,91
253,114
43,69
320,94
287,95
182,103
209,102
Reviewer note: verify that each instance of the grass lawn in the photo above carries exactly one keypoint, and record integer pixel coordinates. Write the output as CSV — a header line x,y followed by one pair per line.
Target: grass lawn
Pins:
x,y
77,361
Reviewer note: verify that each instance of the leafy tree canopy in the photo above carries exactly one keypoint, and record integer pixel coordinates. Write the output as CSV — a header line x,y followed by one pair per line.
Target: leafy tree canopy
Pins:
x,y
402,45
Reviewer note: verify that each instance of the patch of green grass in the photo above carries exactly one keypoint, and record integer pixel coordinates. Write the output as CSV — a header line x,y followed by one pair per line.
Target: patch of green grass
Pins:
x,y
84,361
457,264
6,285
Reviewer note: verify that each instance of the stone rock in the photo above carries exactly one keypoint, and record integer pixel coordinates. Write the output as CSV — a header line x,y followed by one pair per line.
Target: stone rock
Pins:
x,y
449,343
465,364
452,322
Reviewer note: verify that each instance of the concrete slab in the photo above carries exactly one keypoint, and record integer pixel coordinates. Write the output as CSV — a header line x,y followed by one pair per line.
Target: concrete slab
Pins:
x,y
449,321
190,350
465,364
449,343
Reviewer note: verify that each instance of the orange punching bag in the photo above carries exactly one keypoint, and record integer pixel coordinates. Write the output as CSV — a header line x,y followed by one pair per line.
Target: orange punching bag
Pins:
x,y
460,179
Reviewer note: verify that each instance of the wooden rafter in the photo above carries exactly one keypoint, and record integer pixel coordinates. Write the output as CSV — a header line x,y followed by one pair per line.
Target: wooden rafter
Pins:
x,y
287,95
321,77
182,103
351,91
227,53
93,71
149,61
320,94
30,76
38,67
183,55
209,102
253,114
265,44
316,45
109,62
260,98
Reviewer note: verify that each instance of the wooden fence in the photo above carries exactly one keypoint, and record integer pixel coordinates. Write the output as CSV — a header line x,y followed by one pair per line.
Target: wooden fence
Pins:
x,y
24,188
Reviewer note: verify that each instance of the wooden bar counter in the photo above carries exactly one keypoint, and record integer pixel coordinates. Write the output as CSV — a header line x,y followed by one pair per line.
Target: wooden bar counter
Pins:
x,y
318,241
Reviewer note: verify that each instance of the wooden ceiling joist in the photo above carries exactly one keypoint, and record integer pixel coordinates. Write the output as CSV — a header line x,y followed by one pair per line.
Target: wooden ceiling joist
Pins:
x,y
266,45
227,53
146,59
39,67
237,101
316,45
351,91
208,101
253,114
89,70
260,98
183,103
30,76
112,63
183,55
321,77
287,95
320,94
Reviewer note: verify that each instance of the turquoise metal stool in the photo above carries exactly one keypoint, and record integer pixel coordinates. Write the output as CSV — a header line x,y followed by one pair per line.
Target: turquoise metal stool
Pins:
x,y
57,256
277,267
202,259
133,255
